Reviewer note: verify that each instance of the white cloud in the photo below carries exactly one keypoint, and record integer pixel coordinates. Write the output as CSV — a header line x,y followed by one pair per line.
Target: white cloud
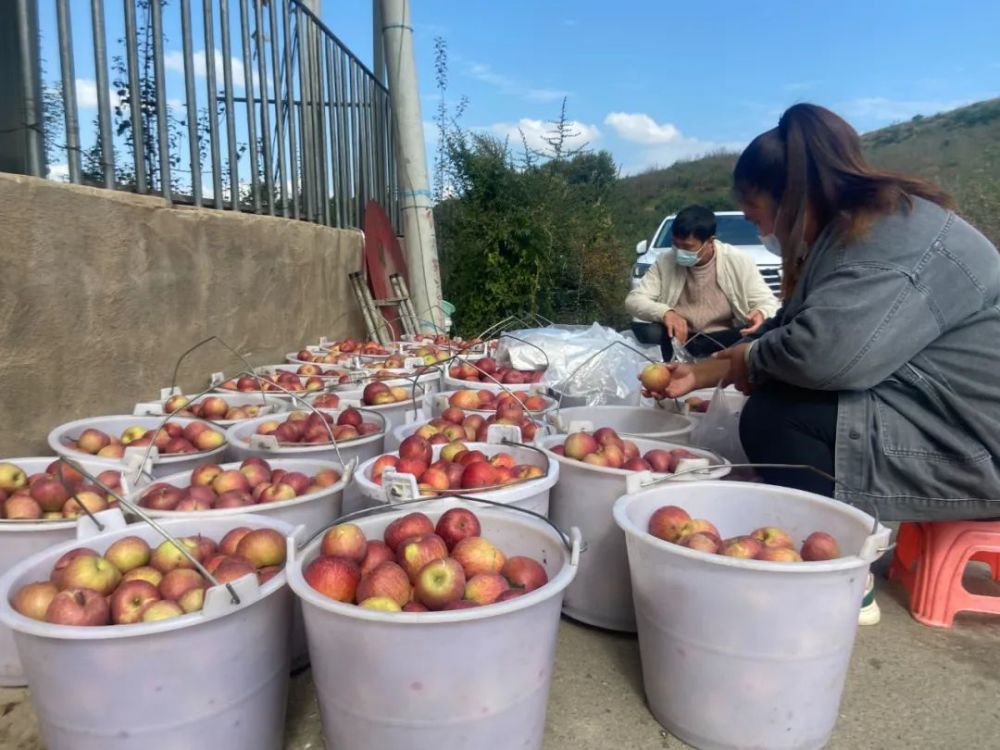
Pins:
x,y
59,172
662,143
174,60
882,110
507,85
486,74
638,127
86,94
536,131
546,95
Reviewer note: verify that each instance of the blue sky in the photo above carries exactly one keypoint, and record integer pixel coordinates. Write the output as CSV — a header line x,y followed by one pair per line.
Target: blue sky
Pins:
x,y
653,81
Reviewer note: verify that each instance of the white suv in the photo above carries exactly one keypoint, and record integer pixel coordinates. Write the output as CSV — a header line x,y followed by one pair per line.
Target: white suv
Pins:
x,y
732,228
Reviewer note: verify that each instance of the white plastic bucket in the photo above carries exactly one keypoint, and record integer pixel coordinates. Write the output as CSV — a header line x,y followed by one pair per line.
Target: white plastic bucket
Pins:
x,y
363,448
465,678
208,680
115,425
744,653
601,594
439,403
21,539
313,511
426,384
399,434
628,421
269,403
532,494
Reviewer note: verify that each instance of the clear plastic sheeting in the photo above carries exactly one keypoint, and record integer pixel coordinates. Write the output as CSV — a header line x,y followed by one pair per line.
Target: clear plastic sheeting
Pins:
x,y
588,365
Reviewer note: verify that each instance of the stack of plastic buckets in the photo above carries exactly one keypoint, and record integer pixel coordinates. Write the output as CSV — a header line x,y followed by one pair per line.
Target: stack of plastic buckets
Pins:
x,y
745,653
212,679
467,678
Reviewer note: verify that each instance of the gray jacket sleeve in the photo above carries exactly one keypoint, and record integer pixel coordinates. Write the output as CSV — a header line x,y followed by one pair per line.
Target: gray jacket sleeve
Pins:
x,y
858,325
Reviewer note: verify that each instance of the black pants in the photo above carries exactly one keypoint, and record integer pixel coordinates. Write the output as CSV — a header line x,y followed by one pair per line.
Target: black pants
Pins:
x,y
698,346
781,424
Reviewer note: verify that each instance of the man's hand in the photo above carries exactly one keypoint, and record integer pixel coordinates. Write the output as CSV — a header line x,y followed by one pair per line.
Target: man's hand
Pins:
x,y
754,321
676,326
739,374
682,382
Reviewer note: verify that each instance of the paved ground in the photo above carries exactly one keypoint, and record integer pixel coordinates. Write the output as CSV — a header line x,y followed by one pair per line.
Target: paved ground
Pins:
x,y
909,687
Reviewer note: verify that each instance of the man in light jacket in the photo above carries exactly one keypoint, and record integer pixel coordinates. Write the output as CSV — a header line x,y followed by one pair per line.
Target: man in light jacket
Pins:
x,y
702,286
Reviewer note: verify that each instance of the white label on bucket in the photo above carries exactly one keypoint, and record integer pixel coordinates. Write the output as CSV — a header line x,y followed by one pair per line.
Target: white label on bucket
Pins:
x,y
635,481
324,342
148,409
581,425
166,393
218,377
264,442
496,434
685,464
412,363
133,460
399,487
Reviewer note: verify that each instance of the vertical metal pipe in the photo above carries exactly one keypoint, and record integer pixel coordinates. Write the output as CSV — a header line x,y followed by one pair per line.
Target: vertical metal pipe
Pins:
x,y
251,107
290,113
134,97
373,176
103,93
191,102
162,129
320,119
227,85
265,116
213,103
344,170
359,174
34,140
68,89
305,114
279,119
331,93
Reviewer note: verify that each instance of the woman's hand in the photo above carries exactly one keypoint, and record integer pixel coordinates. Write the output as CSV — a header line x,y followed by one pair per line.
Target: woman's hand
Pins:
x,y
686,378
754,321
738,373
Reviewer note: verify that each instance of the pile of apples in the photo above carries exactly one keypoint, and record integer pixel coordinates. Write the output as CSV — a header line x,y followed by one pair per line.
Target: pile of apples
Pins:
x,y
210,408
379,394
457,467
430,354
605,448
420,567
327,358
449,343
254,483
57,494
471,400
326,401
301,427
351,346
194,437
486,370
314,370
134,583
455,424
772,543
282,381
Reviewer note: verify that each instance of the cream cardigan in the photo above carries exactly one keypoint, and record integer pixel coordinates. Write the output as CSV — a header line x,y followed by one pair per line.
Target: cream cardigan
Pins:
x,y
737,275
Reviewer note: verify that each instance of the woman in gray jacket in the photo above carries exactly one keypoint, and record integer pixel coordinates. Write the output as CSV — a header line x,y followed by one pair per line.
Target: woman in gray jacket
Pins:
x,y
883,367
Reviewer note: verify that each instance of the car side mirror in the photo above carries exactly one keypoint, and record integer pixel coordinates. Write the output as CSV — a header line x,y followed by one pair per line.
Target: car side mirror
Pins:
x,y
641,247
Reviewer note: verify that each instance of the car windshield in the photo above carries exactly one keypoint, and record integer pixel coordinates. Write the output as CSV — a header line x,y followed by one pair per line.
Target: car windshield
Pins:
x,y
733,230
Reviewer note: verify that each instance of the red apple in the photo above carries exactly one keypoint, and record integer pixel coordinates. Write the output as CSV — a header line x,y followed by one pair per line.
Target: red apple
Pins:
x,y
416,552
773,536
229,543
412,524
416,448
179,581
128,553
524,573
703,542
333,577
820,546
478,555
33,600
94,573
655,377
376,553
485,588
78,607
345,540
263,547
779,554
387,579
129,599
457,524
440,583
667,523
744,547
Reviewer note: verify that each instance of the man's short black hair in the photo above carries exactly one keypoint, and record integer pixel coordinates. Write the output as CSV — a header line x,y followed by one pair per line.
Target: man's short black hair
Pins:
x,y
693,221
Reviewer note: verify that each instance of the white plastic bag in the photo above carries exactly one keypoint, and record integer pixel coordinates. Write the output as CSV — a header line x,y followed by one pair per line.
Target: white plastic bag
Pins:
x,y
719,430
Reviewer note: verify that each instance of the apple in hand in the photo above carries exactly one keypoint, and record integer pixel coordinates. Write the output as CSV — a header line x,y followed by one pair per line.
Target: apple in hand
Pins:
x,y
655,377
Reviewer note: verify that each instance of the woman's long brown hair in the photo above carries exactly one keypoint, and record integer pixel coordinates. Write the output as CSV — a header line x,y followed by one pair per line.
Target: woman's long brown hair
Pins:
x,y
813,162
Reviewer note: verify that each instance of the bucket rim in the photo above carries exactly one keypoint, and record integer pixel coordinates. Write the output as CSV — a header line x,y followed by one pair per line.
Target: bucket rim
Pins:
x,y
722,467
235,436
557,584
57,433
257,508
22,624
874,540
449,380
550,403
688,427
410,403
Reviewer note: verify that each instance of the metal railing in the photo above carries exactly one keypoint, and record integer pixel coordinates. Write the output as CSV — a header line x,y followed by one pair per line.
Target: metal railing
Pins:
x,y
297,126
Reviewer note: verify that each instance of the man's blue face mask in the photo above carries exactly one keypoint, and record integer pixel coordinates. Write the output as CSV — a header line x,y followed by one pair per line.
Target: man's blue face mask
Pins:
x,y
687,258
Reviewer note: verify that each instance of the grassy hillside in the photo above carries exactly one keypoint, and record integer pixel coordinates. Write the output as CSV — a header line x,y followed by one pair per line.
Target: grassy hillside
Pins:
x,y
959,150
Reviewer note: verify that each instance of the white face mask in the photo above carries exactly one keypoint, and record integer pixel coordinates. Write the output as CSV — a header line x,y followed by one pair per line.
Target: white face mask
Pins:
x,y
687,258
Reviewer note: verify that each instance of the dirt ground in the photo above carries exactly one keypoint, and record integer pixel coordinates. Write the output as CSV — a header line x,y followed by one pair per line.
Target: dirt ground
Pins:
x,y
909,687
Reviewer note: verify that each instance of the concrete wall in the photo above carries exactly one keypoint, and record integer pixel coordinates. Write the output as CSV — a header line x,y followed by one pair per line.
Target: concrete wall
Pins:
x,y
102,291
